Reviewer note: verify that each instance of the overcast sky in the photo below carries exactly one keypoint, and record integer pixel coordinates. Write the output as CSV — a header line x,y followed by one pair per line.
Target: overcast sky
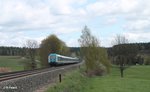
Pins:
x,y
21,20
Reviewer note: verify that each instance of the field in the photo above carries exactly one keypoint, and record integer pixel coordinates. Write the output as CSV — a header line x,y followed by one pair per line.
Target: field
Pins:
x,y
136,79
14,63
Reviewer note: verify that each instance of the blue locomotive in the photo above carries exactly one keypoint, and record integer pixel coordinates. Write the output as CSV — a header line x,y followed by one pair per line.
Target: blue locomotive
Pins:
x,y
56,59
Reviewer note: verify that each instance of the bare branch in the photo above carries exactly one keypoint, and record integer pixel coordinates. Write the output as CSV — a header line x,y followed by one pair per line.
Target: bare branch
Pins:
x,y
119,39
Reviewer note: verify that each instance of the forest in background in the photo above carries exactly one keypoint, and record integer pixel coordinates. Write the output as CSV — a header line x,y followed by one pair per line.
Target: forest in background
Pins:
x,y
21,51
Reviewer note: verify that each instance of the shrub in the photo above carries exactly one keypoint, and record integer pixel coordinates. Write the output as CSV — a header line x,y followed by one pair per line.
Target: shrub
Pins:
x,y
147,61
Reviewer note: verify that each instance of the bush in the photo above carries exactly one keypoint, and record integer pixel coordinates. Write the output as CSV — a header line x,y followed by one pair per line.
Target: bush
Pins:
x,y
147,61
95,72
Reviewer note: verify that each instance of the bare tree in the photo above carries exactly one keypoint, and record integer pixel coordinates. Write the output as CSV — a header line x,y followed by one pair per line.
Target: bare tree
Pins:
x,y
120,50
119,39
31,48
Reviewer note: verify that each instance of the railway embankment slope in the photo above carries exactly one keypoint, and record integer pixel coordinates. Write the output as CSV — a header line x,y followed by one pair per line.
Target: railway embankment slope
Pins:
x,y
32,82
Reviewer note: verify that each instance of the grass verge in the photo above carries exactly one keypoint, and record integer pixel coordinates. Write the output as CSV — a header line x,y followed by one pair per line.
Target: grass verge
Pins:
x,y
136,79
71,82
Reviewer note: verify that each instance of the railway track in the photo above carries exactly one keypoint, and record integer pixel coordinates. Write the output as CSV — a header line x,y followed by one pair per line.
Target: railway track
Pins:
x,y
12,75
29,81
18,74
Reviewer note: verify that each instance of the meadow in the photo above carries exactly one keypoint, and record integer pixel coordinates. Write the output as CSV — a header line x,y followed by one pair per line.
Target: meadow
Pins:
x,y
136,79
14,63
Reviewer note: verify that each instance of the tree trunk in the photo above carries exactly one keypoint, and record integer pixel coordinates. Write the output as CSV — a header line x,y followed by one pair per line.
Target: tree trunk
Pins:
x,y
121,71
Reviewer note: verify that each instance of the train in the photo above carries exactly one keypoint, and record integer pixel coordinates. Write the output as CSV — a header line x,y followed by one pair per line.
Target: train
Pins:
x,y
56,59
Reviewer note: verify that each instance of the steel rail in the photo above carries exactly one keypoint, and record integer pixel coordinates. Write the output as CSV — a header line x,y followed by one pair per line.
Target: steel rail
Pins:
x,y
21,74
18,74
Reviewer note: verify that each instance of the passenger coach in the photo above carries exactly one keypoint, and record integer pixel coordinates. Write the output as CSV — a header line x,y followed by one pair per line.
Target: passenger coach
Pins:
x,y
56,59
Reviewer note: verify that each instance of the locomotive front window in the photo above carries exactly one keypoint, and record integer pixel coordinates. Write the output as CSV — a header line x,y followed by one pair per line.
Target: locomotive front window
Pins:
x,y
52,57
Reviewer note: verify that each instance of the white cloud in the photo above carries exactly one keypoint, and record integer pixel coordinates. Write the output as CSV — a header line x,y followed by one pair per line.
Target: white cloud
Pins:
x,y
135,13
113,7
128,6
23,15
64,30
101,8
67,16
18,15
129,9
73,42
138,36
138,25
14,39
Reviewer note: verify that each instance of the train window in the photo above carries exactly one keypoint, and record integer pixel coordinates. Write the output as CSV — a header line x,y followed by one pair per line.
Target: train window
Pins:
x,y
52,57
64,59
60,59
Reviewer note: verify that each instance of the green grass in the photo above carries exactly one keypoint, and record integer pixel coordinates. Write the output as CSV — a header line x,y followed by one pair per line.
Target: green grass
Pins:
x,y
136,79
72,82
12,62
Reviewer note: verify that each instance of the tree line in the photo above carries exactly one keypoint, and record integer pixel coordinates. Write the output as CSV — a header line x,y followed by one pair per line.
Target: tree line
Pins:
x,y
21,51
137,49
12,51
141,47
